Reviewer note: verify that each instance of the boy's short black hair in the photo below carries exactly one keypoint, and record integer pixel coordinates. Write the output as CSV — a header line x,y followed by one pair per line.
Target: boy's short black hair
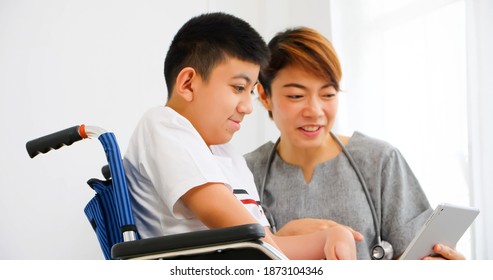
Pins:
x,y
206,40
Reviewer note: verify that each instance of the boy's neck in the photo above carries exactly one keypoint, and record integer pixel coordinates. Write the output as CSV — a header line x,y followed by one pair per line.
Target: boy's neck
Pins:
x,y
178,106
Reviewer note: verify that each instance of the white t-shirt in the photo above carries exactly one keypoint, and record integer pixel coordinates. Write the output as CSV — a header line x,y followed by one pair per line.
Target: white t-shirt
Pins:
x,y
166,157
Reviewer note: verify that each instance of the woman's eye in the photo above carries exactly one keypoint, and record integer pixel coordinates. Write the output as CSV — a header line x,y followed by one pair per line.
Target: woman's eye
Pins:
x,y
295,96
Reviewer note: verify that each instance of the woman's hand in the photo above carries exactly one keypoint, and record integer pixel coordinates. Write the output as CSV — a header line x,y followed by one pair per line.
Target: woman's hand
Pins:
x,y
445,253
307,225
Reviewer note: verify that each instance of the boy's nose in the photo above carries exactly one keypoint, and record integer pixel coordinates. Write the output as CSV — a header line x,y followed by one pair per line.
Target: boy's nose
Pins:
x,y
245,106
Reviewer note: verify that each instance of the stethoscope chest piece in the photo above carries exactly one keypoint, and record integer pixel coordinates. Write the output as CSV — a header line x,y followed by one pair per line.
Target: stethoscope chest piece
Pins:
x,y
382,251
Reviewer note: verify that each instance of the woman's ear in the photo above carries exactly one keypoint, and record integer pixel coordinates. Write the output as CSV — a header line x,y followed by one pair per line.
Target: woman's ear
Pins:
x,y
184,83
266,102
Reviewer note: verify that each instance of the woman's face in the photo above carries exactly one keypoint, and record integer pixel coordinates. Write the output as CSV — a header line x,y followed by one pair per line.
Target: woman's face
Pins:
x,y
303,107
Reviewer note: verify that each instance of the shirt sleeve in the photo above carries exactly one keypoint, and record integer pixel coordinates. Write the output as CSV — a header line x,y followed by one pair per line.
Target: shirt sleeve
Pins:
x,y
176,161
405,206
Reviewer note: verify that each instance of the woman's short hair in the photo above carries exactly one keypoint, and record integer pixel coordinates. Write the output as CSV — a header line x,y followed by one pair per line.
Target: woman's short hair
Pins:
x,y
303,47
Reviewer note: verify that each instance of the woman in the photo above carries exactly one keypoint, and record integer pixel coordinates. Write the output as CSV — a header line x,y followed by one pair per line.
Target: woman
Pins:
x,y
311,175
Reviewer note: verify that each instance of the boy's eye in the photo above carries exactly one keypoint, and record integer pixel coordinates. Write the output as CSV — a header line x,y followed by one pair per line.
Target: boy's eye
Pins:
x,y
239,88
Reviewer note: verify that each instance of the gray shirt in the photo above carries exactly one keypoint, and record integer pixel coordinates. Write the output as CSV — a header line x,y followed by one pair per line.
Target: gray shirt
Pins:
x,y
335,192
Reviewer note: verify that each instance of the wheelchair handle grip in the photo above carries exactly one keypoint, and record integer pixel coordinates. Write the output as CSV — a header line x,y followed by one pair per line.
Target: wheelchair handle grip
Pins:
x,y
56,140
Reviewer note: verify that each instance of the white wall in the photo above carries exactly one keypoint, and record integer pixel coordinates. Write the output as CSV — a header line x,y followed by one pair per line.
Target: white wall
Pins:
x,y
67,62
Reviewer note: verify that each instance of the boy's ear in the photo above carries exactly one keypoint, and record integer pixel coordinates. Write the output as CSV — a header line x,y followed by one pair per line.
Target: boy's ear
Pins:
x,y
266,102
184,83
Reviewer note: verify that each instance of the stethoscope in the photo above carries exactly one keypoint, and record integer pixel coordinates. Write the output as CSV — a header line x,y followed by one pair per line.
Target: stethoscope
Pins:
x,y
382,249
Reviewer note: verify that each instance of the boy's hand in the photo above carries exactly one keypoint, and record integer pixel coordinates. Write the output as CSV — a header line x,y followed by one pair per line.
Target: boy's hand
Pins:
x,y
340,244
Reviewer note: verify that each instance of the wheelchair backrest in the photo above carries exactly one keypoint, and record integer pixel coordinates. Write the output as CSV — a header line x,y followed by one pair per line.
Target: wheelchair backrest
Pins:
x,y
102,214
109,212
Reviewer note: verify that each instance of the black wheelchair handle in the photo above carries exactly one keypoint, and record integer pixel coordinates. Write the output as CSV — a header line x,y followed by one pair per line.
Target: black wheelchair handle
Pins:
x,y
55,141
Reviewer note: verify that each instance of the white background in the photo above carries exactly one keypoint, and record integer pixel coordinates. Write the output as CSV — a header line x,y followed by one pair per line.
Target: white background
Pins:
x,y
64,63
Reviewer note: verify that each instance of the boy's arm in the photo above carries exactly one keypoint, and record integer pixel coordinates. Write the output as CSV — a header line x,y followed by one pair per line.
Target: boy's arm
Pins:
x,y
215,206
334,243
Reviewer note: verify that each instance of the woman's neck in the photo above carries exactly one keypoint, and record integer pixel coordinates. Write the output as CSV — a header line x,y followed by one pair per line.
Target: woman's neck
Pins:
x,y
308,158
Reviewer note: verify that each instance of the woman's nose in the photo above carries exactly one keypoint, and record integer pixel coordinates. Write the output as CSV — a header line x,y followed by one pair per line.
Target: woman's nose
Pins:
x,y
313,108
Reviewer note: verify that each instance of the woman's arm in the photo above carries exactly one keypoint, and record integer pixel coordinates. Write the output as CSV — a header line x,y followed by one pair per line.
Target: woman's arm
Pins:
x,y
308,225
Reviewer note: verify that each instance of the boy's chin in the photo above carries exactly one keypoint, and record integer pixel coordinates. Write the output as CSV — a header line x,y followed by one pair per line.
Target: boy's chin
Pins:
x,y
221,141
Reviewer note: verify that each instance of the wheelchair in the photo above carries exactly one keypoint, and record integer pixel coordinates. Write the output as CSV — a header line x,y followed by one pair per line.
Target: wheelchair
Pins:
x,y
110,214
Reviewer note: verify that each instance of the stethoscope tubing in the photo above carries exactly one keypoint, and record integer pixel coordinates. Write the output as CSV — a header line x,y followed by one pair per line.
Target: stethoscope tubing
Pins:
x,y
270,160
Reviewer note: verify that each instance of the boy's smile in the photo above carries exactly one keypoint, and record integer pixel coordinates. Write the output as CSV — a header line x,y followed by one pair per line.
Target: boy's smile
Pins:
x,y
235,124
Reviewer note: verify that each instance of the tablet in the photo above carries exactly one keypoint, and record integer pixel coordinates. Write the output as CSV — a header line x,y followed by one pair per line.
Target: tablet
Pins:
x,y
446,225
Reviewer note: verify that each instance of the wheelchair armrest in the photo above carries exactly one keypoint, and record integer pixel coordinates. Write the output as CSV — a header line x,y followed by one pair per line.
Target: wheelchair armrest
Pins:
x,y
197,239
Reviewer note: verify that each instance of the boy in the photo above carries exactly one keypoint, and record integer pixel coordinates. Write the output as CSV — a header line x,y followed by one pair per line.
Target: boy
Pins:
x,y
183,175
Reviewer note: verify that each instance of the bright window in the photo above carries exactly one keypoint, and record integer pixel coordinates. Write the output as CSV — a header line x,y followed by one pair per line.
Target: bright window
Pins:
x,y
404,65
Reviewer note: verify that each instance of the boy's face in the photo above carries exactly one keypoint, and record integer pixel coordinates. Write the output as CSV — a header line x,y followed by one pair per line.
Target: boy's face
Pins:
x,y
221,103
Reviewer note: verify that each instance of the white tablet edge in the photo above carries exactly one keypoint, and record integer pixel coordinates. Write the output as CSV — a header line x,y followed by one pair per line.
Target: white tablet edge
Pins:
x,y
446,229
